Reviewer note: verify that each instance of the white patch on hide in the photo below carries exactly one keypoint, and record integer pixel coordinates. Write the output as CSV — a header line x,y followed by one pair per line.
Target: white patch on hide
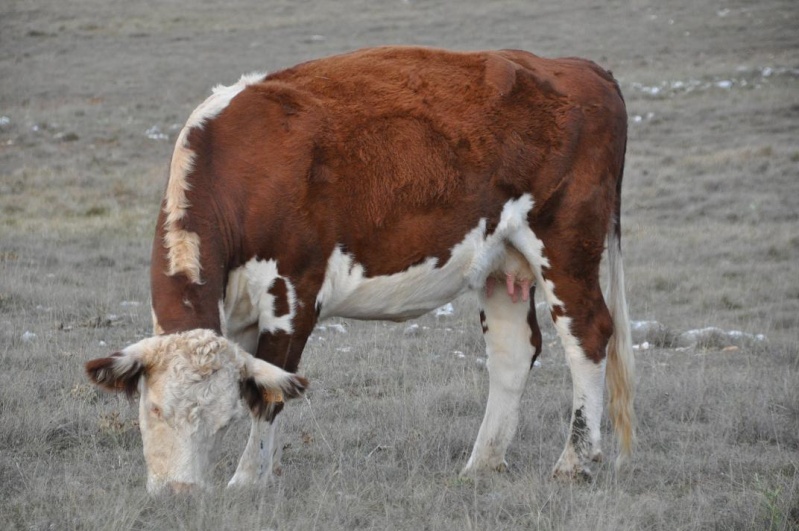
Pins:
x,y
157,329
183,247
348,292
588,384
249,308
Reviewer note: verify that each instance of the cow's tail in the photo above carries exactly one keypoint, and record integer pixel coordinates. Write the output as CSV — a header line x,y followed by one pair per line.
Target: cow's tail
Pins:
x,y
620,370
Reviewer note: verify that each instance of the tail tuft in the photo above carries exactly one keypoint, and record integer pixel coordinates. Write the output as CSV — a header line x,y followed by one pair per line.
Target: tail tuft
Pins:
x,y
620,371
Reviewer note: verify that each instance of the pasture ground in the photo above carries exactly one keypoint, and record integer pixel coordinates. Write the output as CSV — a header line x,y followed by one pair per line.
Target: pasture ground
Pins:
x,y
92,93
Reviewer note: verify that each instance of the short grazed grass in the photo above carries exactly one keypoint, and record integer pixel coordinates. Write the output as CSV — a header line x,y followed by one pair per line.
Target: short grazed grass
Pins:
x,y
710,239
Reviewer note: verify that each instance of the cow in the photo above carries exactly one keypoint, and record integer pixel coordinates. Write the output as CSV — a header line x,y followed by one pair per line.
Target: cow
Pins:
x,y
381,184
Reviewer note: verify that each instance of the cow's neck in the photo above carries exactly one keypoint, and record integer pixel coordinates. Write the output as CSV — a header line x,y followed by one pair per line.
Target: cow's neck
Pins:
x,y
186,287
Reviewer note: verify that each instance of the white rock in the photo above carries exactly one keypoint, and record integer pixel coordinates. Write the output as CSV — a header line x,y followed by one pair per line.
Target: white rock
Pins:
x,y
412,330
648,331
338,328
28,336
445,311
713,336
154,133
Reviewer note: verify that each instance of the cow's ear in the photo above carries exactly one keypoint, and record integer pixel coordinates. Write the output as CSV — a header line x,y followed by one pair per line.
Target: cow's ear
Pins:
x,y
265,387
119,372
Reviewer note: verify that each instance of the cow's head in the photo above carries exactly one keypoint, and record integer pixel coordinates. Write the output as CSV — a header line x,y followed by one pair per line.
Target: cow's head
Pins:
x,y
191,386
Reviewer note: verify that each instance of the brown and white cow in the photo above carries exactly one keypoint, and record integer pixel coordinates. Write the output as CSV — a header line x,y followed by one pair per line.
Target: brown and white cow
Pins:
x,y
381,184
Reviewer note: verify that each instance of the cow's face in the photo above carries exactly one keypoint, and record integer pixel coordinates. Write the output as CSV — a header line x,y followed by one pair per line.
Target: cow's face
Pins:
x,y
190,387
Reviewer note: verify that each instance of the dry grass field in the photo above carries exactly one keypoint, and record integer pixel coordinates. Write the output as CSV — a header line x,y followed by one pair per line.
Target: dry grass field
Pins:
x,y
92,93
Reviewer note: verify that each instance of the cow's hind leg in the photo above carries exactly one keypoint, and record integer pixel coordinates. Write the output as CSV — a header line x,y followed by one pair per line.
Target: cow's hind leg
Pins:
x,y
569,279
584,325
510,353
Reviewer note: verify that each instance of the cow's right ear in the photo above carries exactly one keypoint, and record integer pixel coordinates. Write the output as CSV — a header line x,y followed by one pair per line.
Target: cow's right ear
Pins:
x,y
119,372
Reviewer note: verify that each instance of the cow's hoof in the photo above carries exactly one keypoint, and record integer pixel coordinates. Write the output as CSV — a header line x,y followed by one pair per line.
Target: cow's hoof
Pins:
x,y
467,472
579,474
502,467
247,480
471,470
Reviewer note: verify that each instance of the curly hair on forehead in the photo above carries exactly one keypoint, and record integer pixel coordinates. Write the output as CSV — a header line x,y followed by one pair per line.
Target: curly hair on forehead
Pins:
x,y
200,352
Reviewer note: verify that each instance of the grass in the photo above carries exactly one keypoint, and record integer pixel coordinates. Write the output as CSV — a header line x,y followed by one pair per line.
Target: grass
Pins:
x,y
388,423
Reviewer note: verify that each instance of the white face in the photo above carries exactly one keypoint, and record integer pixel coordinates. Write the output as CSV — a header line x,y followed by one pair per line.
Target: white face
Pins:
x,y
190,387
186,401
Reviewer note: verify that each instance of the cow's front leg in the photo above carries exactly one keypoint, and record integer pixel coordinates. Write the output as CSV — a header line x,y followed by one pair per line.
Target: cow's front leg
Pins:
x,y
261,458
281,342
508,337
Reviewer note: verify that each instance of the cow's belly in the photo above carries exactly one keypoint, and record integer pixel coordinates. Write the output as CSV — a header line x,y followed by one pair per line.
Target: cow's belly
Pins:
x,y
348,292
253,305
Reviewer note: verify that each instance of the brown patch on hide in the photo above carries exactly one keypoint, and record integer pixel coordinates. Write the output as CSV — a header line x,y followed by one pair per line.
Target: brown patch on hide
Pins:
x,y
279,291
536,339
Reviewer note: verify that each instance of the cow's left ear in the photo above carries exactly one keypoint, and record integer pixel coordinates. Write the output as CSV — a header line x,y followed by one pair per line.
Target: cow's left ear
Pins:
x,y
264,384
119,372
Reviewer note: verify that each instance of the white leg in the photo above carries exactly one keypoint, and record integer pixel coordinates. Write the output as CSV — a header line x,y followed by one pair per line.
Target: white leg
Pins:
x,y
588,383
261,455
509,356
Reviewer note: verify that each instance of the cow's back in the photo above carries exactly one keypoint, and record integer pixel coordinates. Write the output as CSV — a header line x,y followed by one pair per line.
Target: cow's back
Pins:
x,y
402,144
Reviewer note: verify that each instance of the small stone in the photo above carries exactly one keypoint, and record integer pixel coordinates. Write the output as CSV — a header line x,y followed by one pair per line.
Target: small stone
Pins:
x,y
445,311
412,330
338,328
